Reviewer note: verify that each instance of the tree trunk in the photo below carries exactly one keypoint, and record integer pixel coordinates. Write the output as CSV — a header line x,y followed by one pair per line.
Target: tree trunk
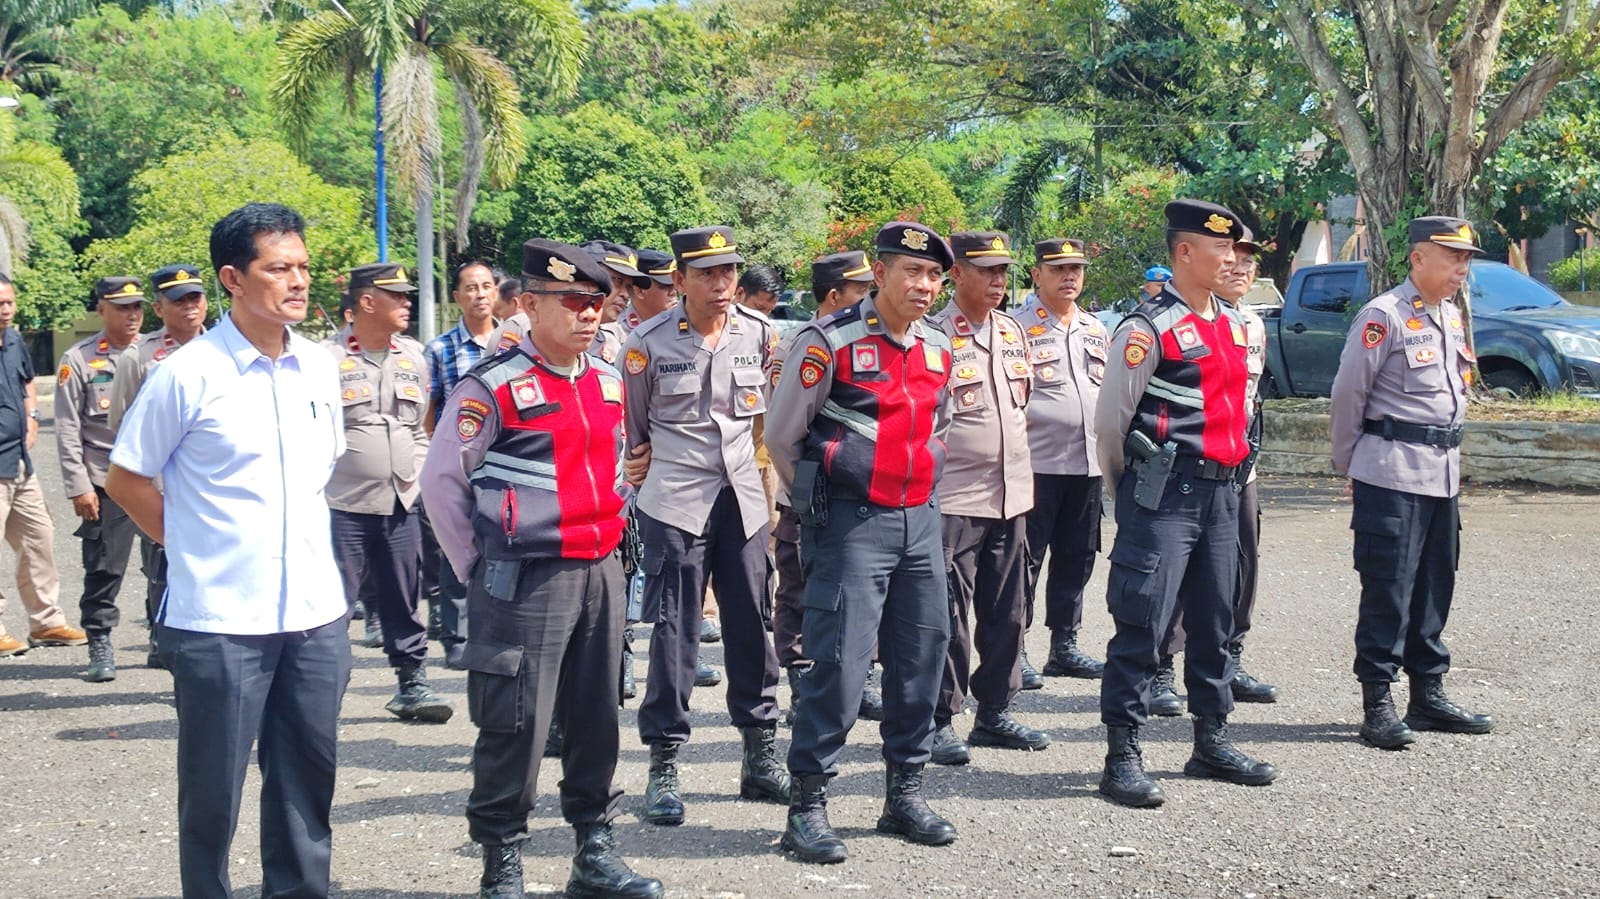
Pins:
x,y
427,327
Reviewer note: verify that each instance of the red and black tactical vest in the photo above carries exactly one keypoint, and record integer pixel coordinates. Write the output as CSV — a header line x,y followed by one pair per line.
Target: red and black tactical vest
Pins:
x,y
547,485
1196,396
874,434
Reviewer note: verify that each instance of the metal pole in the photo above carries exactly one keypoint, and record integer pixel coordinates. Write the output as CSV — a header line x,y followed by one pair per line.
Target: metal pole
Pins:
x,y
383,180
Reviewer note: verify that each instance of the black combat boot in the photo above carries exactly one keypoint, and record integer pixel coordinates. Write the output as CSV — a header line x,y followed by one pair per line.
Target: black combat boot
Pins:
x,y
1245,687
1380,724
760,774
553,741
948,747
995,727
1164,698
1067,660
1431,709
502,872
630,686
598,871
1031,678
102,658
808,834
705,675
1216,757
416,700
662,804
1124,779
906,813
872,696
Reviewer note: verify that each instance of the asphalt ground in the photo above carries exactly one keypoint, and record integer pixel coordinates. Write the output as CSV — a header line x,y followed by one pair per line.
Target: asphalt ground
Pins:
x,y
88,789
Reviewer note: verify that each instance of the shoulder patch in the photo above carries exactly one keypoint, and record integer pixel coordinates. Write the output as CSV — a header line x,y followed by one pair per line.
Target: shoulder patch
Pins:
x,y
810,372
1135,352
635,361
1373,334
65,373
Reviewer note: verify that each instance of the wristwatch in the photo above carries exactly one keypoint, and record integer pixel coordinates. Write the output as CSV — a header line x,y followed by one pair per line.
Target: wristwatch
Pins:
x,y
33,414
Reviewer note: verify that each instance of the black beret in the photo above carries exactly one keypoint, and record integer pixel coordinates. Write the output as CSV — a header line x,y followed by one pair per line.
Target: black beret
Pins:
x,y
1060,251
620,259
1200,217
851,265
982,248
119,290
705,247
913,239
549,260
390,276
1445,231
174,282
657,266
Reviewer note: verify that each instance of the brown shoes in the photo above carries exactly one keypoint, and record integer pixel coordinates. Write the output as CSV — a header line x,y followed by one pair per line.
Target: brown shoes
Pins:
x,y
63,635
11,646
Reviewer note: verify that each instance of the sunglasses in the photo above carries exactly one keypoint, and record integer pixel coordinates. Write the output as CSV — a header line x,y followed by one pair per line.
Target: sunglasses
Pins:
x,y
575,300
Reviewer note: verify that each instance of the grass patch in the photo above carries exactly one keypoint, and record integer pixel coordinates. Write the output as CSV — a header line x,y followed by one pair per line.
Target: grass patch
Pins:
x,y
1562,406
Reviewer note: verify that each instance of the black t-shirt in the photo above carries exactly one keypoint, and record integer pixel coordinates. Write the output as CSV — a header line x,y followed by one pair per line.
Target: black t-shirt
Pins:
x,y
16,370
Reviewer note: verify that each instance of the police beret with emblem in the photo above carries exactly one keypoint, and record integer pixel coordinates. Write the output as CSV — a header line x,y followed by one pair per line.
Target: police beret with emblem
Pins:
x,y
851,265
705,247
981,248
1200,217
1060,251
913,239
120,290
549,260
657,266
620,259
1445,231
174,282
389,276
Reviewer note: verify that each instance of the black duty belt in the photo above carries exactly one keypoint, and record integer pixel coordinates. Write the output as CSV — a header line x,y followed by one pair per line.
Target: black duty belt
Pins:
x,y
1204,469
1407,432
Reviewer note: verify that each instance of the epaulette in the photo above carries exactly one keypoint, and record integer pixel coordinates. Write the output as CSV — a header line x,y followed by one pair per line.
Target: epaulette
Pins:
x,y
654,323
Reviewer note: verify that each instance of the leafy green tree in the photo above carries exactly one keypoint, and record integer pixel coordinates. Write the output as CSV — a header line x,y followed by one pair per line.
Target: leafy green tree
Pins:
x,y
882,186
594,174
769,181
28,34
1125,232
38,216
176,202
40,167
412,42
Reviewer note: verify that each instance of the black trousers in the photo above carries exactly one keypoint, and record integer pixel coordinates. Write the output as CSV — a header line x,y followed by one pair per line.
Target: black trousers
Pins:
x,y
676,564
788,606
1185,557
385,550
441,586
1244,598
873,574
107,544
153,562
546,647
1407,547
1065,519
986,567
280,692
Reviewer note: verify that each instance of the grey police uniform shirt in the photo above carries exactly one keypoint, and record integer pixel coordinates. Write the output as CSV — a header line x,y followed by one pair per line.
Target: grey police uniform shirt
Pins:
x,y
607,343
83,406
385,443
988,472
695,406
1069,365
1255,362
134,366
1408,361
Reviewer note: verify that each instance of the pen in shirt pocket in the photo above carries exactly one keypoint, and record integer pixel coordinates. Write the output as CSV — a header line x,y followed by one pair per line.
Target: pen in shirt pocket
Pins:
x,y
313,408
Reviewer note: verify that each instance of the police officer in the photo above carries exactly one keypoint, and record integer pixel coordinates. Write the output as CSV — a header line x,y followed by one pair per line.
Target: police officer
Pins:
x,y
1399,400
538,431
377,532
855,434
1174,401
657,296
695,378
181,306
83,441
1067,348
620,260
838,281
984,497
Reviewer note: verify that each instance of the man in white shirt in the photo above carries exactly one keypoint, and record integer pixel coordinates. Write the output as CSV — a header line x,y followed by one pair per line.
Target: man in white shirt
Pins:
x,y
243,428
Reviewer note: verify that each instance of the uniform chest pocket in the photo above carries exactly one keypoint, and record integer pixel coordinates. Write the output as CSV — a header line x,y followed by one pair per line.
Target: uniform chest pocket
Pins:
x,y
99,398
355,391
680,397
748,397
1424,370
1094,360
970,397
408,401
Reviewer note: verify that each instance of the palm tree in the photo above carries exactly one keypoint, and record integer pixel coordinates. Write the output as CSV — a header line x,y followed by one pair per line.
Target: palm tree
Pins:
x,y
40,166
28,29
410,42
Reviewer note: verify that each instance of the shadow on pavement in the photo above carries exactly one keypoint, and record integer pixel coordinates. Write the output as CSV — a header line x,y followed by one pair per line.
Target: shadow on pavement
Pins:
x,y
44,702
449,803
165,729
384,754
